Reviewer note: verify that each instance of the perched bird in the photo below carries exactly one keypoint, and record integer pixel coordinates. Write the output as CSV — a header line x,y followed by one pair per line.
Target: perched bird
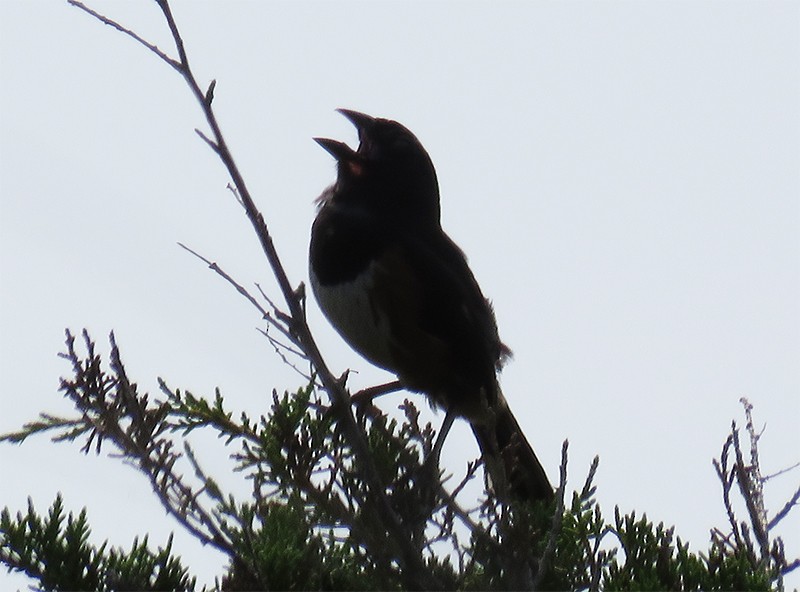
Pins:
x,y
400,292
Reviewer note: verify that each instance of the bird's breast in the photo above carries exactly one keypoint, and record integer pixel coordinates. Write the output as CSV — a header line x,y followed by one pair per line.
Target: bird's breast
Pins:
x,y
350,308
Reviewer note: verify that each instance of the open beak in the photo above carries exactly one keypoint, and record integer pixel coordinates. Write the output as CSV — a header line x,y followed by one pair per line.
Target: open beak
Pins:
x,y
362,121
341,151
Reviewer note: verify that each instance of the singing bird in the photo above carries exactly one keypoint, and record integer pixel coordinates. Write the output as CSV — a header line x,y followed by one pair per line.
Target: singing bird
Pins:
x,y
400,292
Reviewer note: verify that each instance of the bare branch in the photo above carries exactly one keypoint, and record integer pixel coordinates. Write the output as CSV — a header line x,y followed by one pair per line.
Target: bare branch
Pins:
x,y
793,501
279,348
750,484
111,23
239,288
211,144
173,27
264,314
727,477
279,314
781,472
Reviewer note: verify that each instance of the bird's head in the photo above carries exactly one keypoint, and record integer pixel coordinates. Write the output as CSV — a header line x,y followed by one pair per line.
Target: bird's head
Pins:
x,y
390,170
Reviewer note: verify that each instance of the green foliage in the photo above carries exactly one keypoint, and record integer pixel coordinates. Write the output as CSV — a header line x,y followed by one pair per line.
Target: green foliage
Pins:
x,y
313,522
58,556
653,562
579,561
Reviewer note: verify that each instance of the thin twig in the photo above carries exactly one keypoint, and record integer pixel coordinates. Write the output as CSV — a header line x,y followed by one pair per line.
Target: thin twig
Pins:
x,y
727,477
243,291
207,140
282,316
107,21
793,501
279,347
781,472
216,268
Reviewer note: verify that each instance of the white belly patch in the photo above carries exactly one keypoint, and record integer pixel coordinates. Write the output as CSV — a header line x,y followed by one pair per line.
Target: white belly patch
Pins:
x,y
349,309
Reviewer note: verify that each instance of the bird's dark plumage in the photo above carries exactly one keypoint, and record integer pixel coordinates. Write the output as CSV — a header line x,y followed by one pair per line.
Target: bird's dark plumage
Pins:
x,y
400,292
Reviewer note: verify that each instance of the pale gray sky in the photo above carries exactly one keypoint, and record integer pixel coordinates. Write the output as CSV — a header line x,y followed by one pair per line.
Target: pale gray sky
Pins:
x,y
624,178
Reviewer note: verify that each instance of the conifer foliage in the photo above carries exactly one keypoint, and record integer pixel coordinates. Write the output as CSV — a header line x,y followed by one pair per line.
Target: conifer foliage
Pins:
x,y
311,521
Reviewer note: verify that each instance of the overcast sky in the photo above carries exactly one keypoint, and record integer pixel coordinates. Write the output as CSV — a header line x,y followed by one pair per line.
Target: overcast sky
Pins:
x,y
623,176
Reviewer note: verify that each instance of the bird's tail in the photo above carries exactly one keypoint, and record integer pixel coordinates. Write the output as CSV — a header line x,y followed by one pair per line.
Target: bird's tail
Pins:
x,y
508,455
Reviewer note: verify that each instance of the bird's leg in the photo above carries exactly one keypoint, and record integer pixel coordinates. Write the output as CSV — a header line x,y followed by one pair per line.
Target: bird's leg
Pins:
x,y
427,476
436,451
366,396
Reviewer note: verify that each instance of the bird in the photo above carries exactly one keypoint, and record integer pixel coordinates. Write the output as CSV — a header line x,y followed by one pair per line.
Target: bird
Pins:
x,y
400,292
